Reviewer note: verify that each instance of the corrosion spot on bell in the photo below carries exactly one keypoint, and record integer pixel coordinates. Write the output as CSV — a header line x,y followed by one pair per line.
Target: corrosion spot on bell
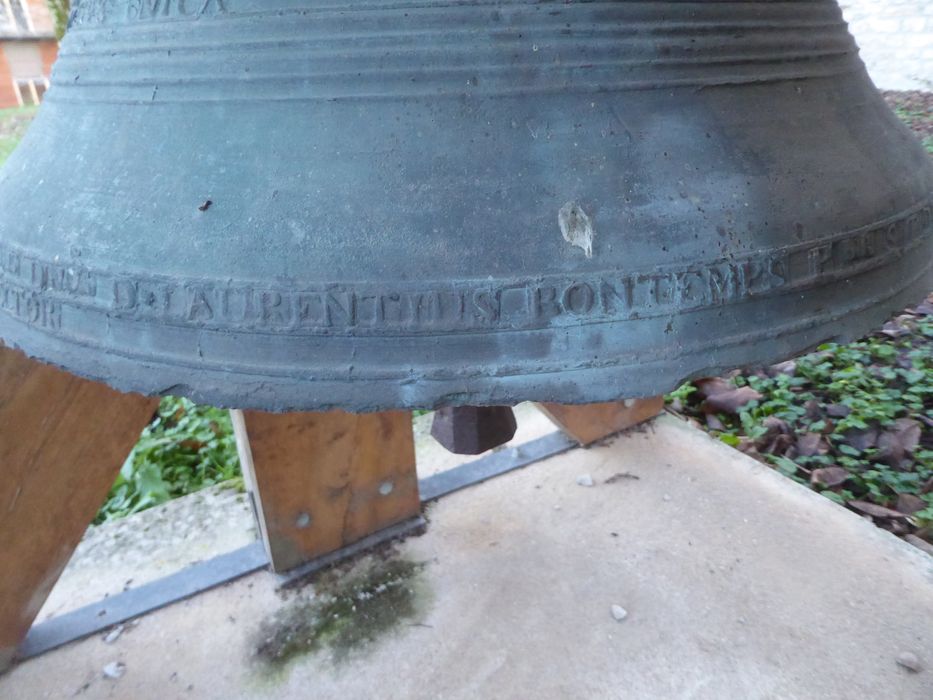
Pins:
x,y
577,227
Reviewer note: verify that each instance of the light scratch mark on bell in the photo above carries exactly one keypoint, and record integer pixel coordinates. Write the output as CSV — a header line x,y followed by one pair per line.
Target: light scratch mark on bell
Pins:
x,y
577,227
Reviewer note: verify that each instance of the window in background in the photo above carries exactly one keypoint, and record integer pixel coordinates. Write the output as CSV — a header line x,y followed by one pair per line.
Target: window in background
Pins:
x,y
14,17
31,91
25,62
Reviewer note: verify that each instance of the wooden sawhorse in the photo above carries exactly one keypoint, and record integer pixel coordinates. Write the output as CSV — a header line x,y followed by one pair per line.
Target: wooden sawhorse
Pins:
x,y
320,481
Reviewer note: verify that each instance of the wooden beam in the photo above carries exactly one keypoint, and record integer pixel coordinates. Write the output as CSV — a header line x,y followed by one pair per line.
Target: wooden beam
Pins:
x,y
322,481
590,423
62,442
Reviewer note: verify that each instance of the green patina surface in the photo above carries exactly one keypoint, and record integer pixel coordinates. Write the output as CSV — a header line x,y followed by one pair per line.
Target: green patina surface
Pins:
x,y
188,447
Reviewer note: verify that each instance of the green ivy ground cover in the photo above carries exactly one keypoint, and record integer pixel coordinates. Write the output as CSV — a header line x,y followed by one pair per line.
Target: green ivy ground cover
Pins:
x,y
185,449
854,421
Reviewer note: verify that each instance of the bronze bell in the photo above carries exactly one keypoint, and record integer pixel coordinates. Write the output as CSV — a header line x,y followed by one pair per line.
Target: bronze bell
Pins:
x,y
285,204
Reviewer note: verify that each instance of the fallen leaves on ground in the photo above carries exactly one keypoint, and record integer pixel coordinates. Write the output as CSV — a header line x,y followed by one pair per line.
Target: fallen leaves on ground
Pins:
x,y
854,422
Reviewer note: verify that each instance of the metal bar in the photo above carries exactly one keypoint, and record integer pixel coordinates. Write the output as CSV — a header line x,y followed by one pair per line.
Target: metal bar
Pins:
x,y
152,596
198,578
501,462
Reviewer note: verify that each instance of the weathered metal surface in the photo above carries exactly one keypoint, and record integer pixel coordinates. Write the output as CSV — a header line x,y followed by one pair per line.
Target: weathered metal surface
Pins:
x,y
472,430
286,204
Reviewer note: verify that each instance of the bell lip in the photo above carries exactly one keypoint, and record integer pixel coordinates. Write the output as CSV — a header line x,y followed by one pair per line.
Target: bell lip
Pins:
x,y
366,395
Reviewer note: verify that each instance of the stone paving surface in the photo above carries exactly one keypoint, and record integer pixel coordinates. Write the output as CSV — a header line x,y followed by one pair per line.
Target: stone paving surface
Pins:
x,y
735,583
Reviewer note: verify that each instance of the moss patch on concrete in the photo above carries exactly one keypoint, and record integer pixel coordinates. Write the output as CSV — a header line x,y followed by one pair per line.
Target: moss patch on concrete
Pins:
x,y
348,612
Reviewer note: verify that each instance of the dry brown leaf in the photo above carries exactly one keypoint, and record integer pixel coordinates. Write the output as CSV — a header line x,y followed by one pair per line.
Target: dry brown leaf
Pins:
x,y
909,432
780,444
814,410
789,367
895,444
711,386
776,425
810,444
909,504
713,422
861,439
927,487
829,477
896,527
773,427
874,510
893,329
731,401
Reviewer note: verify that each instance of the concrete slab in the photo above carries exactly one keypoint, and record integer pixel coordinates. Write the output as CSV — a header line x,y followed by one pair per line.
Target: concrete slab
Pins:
x,y
128,553
738,583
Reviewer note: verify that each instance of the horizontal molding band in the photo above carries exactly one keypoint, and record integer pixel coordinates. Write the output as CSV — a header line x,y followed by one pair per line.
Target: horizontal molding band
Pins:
x,y
88,15
136,51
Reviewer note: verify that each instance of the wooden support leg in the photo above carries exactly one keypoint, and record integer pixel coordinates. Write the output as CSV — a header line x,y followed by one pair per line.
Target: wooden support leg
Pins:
x,y
590,423
322,481
62,442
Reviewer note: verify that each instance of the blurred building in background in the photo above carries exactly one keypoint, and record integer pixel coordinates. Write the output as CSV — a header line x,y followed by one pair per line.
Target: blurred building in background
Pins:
x,y
27,51
896,38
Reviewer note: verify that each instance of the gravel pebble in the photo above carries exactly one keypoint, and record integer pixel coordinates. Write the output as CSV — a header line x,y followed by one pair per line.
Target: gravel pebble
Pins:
x,y
909,661
619,613
114,670
113,635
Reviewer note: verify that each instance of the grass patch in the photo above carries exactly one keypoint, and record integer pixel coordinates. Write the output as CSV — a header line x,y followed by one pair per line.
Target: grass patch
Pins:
x,y
13,125
916,119
915,109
